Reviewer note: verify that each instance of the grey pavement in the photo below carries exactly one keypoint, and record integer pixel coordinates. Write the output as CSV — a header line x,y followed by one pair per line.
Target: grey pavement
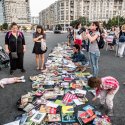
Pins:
x,y
109,65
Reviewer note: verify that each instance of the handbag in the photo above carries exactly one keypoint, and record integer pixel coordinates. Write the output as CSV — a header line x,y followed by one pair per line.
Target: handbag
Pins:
x,y
43,45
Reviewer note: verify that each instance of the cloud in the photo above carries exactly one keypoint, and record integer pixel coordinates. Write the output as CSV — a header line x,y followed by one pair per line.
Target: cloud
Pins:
x,y
37,5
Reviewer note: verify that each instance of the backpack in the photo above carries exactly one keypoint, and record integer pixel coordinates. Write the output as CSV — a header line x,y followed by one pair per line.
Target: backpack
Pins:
x,y
122,38
101,43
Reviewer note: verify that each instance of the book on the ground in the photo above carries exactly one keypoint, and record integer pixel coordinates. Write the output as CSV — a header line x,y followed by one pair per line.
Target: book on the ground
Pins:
x,y
68,117
88,107
67,109
54,117
13,123
38,117
86,117
60,103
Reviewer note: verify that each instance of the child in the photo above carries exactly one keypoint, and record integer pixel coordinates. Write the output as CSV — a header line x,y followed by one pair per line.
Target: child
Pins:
x,y
5,81
78,58
106,88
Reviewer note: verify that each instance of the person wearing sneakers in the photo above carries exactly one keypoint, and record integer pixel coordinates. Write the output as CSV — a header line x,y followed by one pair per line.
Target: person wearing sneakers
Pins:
x,y
12,80
106,88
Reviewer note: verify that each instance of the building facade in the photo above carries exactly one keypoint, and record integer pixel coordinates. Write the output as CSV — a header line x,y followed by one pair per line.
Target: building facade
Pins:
x,y
1,13
34,20
64,11
16,11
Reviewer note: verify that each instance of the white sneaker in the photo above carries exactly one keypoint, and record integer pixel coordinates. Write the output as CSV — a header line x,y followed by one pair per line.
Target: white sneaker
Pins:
x,y
23,80
22,77
1,85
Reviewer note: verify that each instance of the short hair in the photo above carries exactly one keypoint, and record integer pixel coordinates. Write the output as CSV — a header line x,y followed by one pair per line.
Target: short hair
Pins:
x,y
94,82
77,47
13,24
123,27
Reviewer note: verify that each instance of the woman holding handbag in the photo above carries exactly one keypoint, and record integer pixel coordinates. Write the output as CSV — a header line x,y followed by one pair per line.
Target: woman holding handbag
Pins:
x,y
39,39
15,47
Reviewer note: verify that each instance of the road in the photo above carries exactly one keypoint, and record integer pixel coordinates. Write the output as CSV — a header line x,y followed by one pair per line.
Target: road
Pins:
x,y
109,65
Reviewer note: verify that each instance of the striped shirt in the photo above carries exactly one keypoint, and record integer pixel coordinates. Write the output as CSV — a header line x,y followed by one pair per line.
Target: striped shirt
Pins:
x,y
108,83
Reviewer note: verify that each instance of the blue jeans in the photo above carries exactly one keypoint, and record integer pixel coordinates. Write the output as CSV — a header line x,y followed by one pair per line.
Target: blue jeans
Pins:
x,y
94,59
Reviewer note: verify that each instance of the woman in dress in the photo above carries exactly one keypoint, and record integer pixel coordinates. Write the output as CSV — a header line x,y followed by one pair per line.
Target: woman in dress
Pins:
x,y
39,39
15,44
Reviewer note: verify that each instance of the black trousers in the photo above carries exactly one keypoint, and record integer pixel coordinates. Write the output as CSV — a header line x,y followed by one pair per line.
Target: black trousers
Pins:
x,y
16,63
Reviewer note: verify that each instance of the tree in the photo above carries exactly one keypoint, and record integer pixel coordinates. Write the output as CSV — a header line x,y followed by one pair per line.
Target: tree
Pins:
x,y
5,26
58,27
1,27
115,21
24,28
83,20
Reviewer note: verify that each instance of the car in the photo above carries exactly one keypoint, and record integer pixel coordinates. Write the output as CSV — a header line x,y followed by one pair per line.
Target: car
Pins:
x,y
57,31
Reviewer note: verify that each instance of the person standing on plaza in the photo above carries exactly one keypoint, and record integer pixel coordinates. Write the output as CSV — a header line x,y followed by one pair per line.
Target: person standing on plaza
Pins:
x,y
78,37
121,47
15,47
94,51
39,39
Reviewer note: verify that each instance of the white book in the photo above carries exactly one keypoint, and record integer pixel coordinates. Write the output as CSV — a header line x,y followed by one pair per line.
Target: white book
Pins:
x,y
51,104
78,91
38,117
77,102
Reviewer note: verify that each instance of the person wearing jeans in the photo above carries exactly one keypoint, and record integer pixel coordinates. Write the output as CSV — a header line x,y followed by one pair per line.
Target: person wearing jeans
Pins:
x,y
121,45
93,37
94,58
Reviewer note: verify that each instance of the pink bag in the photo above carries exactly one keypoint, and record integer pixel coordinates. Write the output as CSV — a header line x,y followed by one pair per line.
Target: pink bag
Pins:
x,y
109,39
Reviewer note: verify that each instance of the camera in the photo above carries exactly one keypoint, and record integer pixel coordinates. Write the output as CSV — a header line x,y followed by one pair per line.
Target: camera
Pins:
x,y
83,29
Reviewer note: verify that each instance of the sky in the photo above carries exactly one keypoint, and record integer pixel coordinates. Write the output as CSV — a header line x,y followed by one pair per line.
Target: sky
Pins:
x,y
37,5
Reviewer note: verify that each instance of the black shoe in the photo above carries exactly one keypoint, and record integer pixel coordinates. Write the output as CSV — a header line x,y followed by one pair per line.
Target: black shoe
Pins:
x,y
110,112
11,72
23,70
101,107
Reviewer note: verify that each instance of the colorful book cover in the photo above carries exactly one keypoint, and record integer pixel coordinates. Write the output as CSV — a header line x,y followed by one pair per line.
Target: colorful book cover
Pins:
x,y
68,117
67,109
88,107
54,117
38,117
60,103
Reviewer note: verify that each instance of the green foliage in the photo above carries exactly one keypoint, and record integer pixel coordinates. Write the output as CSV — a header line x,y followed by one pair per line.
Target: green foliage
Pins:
x,y
5,26
1,27
24,28
58,27
115,21
84,21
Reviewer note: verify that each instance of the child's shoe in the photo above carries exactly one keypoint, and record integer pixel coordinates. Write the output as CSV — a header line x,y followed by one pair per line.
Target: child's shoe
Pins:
x,y
110,112
22,77
23,80
1,85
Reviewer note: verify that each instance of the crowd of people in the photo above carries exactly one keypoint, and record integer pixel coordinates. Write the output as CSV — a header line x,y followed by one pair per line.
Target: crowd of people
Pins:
x,y
82,39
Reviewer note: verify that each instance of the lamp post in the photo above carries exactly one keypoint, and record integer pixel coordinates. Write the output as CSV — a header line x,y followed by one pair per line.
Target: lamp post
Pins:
x,y
118,17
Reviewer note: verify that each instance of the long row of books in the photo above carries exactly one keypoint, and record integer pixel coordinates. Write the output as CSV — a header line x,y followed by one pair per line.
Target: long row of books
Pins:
x,y
59,95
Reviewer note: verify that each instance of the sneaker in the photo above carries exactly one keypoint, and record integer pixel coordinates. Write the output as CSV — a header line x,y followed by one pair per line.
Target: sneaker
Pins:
x,y
23,80
110,112
23,70
2,85
11,72
22,77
